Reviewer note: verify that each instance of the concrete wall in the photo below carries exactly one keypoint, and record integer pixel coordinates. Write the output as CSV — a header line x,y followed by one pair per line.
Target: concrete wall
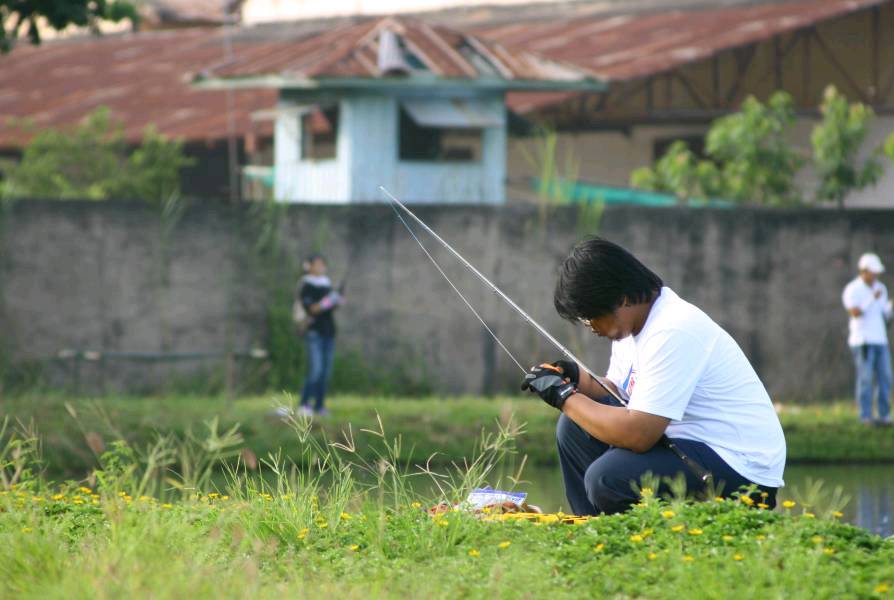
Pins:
x,y
98,276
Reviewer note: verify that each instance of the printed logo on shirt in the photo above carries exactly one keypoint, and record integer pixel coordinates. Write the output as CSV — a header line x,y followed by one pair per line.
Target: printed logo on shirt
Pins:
x,y
629,382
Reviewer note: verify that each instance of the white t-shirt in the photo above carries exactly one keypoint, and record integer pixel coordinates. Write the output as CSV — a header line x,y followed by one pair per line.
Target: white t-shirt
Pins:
x,y
685,367
868,328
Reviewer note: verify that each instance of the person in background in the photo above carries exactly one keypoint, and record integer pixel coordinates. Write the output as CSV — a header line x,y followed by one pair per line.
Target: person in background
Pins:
x,y
320,301
866,301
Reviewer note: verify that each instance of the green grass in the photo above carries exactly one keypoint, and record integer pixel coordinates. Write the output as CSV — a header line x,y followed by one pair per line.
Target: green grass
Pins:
x,y
443,428
154,524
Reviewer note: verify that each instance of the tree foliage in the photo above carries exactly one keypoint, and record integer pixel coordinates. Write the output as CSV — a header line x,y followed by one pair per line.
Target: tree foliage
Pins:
x,y
837,140
58,14
92,161
750,160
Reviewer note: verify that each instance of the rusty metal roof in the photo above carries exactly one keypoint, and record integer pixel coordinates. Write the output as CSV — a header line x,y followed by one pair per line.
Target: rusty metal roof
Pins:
x,y
145,77
355,52
630,46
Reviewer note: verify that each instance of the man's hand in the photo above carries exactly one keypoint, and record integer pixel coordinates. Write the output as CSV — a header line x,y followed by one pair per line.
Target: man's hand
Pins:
x,y
570,370
547,380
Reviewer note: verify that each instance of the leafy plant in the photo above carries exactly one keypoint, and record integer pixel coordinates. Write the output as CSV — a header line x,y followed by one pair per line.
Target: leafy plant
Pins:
x,y
15,14
837,140
92,161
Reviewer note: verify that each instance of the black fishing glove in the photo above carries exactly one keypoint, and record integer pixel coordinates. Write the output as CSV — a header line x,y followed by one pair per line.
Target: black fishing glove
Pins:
x,y
548,381
570,370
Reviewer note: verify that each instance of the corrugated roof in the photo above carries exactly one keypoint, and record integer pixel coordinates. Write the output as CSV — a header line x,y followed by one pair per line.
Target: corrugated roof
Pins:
x,y
353,50
145,77
630,46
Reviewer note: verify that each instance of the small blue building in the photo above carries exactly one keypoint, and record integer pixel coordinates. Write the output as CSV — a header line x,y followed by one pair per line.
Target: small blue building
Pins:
x,y
417,108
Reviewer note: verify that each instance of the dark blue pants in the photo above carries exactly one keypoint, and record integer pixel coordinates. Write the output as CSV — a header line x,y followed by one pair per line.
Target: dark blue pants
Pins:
x,y
320,353
598,477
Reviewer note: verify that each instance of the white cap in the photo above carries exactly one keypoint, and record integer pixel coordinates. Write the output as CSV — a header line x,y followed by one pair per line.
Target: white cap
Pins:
x,y
872,263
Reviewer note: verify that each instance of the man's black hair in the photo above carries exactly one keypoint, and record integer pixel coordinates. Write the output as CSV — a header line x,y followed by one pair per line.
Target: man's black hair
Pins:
x,y
597,277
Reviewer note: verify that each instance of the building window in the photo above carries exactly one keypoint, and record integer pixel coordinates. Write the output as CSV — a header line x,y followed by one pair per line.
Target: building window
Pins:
x,y
695,143
424,142
319,133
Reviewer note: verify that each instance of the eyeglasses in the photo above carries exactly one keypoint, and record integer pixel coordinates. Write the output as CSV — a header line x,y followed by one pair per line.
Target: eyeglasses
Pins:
x,y
588,323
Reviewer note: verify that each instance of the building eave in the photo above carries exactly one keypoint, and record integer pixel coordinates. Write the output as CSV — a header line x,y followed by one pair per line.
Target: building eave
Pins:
x,y
396,85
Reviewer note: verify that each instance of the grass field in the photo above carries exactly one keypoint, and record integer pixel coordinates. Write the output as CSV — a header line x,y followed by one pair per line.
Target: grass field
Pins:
x,y
443,428
151,521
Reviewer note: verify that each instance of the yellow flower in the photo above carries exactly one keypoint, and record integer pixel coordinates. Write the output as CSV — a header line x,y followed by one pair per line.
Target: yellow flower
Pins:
x,y
765,495
678,528
77,501
474,553
36,498
504,545
302,534
85,490
668,514
837,514
224,497
688,558
355,547
695,532
809,515
58,497
598,547
652,556
166,505
345,516
548,518
416,505
26,530
122,494
828,550
746,500
882,588
789,504
817,539
737,557
636,538
323,525
146,499
728,538
443,523
213,495
760,537
762,505
718,498
646,492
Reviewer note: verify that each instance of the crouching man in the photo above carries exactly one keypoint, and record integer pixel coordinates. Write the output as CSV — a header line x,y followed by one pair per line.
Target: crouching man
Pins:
x,y
682,375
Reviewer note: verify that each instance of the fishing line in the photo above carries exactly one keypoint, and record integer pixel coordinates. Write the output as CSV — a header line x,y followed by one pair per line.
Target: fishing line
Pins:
x,y
455,289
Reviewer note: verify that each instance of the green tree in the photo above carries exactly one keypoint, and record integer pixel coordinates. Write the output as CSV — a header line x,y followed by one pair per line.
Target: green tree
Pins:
x,y
836,144
681,173
748,160
91,161
756,162
58,14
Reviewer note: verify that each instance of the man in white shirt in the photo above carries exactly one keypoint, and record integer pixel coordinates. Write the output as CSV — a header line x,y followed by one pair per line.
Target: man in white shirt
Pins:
x,y
685,379
866,301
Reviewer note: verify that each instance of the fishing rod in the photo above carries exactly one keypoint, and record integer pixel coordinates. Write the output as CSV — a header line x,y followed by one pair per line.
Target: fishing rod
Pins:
x,y
697,469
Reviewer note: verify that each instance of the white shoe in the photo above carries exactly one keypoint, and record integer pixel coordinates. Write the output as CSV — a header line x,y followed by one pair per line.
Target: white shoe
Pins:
x,y
306,411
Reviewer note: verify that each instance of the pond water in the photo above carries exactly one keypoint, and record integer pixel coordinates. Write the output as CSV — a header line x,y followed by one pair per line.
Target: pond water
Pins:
x,y
870,488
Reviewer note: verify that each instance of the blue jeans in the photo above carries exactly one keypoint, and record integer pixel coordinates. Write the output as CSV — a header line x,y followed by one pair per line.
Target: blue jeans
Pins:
x,y
598,477
873,363
320,352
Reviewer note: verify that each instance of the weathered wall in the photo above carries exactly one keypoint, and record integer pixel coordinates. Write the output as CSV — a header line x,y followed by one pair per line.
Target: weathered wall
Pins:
x,y
100,276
